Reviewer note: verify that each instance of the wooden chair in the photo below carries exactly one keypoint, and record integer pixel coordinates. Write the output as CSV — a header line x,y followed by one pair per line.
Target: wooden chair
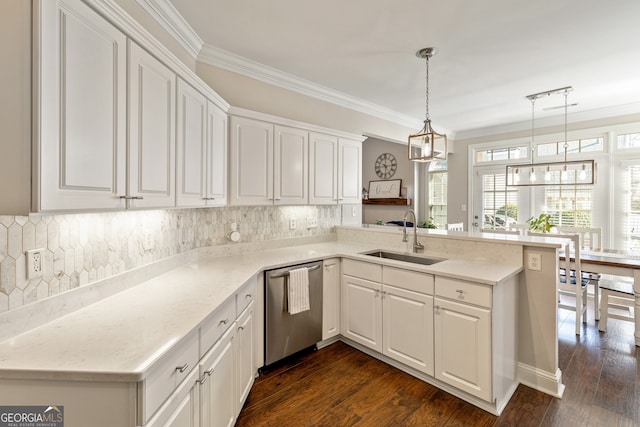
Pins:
x,y
571,281
456,226
620,289
590,237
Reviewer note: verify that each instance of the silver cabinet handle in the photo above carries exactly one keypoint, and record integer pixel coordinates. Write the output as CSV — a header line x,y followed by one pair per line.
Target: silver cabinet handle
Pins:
x,y
241,328
182,368
208,198
460,292
248,296
223,322
205,376
131,197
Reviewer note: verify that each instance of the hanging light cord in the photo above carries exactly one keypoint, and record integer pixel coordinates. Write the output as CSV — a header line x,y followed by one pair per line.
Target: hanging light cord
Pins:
x,y
427,87
566,144
533,111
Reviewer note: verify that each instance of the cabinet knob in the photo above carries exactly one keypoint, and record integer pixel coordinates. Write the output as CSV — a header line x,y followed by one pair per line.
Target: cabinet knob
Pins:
x,y
182,368
460,291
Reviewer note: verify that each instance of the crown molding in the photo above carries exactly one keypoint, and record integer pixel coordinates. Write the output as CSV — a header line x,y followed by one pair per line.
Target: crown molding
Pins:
x,y
237,64
576,117
172,21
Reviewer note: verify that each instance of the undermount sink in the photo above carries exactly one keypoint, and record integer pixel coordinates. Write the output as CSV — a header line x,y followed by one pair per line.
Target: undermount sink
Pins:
x,y
403,257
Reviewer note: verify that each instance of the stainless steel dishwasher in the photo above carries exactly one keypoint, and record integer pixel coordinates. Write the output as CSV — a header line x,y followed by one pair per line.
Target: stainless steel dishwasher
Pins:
x,y
286,334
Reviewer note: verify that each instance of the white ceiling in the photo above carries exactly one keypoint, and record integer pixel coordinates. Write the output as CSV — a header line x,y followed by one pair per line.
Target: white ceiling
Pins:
x,y
492,53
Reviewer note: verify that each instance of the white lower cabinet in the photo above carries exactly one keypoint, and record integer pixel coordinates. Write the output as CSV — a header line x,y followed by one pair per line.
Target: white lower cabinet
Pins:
x,y
395,319
245,368
463,347
217,383
331,298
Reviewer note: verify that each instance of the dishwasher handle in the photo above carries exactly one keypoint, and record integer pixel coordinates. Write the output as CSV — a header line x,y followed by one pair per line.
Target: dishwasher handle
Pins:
x,y
286,273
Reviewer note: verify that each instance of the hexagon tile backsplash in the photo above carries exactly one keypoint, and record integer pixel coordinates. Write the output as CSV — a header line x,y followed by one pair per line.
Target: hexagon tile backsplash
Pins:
x,y
84,248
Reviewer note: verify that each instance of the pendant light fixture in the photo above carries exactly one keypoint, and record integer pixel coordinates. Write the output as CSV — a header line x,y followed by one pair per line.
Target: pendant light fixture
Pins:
x,y
427,145
578,172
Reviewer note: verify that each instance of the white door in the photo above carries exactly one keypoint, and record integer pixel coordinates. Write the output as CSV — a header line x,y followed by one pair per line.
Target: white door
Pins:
x,y
216,156
331,298
218,389
462,342
82,92
191,146
408,327
250,162
244,356
290,168
495,205
323,169
362,311
152,86
349,171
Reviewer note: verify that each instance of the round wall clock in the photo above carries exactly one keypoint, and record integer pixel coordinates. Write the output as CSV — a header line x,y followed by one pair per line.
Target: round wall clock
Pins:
x,y
386,165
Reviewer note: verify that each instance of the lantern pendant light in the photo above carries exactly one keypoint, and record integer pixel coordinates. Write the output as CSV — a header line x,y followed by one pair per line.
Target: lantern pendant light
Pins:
x,y
427,145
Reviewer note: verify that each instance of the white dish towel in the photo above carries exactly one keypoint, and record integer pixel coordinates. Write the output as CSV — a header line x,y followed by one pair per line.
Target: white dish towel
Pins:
x,y
298,290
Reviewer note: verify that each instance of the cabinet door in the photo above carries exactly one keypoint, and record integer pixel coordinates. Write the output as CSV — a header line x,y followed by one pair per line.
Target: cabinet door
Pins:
x,y
250,162
191,146
152,89
323,169
408,327
462,340
82,108
244,356
349,171
331,298
218,383
362,311
216,156
291,159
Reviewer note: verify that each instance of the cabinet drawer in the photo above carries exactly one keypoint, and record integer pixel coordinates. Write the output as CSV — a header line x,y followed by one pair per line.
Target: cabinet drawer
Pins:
x,y
245,295
216,324
364,270
165,376
407,279
459,290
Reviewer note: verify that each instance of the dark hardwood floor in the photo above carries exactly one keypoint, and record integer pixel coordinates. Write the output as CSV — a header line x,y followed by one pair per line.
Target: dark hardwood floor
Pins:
x,y
341,386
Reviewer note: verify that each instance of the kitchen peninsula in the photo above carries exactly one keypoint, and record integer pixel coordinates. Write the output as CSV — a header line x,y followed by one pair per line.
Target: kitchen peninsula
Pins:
x,y
106,354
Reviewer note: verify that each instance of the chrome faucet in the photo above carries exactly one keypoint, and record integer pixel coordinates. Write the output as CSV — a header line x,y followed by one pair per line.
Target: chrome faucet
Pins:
x,y
417,247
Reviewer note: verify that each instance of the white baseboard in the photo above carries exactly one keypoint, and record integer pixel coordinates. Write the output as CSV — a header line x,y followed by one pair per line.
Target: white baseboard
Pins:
x,y
546,382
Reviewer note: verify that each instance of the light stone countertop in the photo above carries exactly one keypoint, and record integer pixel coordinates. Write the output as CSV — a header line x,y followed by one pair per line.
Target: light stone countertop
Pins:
x,y
119,338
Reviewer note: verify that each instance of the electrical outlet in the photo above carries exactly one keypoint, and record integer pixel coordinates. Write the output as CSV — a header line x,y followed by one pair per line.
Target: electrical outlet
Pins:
x,y
147,242
312,222
292,223
534,262
35,263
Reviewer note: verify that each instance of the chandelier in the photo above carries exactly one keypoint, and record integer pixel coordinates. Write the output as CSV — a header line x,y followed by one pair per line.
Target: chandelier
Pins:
x,y
578,172
427,145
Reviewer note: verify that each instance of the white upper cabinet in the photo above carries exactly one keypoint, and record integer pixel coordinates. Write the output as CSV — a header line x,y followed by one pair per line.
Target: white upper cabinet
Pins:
x,y
152,89
335,170
250,162
323,169
290,166
81,125
216,186
191,145
349,171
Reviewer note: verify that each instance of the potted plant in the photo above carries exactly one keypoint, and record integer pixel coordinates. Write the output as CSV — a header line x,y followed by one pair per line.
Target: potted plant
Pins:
x,y
540,224
427,224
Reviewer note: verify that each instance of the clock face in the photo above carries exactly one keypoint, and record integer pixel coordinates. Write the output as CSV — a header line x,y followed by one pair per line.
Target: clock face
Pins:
x,y
386,165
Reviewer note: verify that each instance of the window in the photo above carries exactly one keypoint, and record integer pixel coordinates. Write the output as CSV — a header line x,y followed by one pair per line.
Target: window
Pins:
x,y
499,202
631,140
577,146
569,206
632,208
438,192
508,153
